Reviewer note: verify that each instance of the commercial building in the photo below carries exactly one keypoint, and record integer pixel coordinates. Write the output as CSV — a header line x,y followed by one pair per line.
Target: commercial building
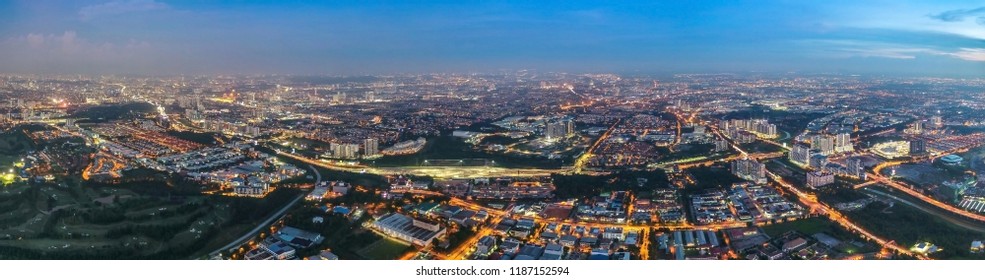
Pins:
x,y
952,160
298,238
408,229
892,149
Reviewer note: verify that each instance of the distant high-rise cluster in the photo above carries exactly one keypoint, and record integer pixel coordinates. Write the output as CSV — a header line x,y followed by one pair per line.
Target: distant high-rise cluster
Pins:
x,y
762,128
823,144
832,144
344,151
559,129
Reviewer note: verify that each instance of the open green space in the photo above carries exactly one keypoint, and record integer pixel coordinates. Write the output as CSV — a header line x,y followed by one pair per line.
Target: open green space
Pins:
x,y
106,113
711,177
197,137
384,249
583,186
807,226
760,147
135,220
908,226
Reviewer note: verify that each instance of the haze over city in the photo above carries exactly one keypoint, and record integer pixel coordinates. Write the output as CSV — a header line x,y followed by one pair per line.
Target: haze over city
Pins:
x,y
138,37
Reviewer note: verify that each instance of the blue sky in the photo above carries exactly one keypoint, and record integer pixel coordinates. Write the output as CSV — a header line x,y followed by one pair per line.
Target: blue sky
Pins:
x,y
931,38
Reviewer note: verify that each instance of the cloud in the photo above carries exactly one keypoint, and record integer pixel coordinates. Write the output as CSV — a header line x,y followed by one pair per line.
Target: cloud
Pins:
x,y
120,7
961,15
866,49
68,52
970,54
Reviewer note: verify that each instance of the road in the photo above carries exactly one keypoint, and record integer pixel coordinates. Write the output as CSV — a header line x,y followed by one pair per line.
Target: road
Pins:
x,y
911,192
250,235
837,217
276,216
317,174
932,210
583,159
811,202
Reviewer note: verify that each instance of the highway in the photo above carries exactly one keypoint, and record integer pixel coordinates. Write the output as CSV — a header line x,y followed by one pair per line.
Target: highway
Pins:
x,y
811,202
933,211
910,191
837,217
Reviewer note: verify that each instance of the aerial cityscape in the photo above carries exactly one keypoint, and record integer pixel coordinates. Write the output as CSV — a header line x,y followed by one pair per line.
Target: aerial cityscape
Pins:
x,y
499,163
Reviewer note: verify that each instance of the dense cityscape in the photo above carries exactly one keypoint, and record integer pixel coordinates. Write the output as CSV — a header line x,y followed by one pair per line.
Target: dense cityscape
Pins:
x,y
501,165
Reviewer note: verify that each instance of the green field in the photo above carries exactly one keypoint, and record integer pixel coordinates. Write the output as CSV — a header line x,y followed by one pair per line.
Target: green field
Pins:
x,y
384,249
807,226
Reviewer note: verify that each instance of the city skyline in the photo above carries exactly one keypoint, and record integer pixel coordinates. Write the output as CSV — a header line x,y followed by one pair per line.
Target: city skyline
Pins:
x,y
507,130
147,37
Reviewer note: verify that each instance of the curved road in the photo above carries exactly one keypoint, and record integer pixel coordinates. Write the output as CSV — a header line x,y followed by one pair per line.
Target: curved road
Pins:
x,y
933,211
276,216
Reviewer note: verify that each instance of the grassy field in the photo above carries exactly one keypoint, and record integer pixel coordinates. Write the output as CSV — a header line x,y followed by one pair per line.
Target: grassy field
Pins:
x,y
808,226
760,147
384,249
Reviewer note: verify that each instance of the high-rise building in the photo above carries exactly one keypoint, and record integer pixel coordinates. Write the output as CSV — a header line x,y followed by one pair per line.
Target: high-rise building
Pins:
x,y
800,154
918,126
371,147
856,168
559,129
762,128
818,179
344,151
918,147
937,121
843,143
818,161
721,145
824,144
749,170
198,104
569,126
